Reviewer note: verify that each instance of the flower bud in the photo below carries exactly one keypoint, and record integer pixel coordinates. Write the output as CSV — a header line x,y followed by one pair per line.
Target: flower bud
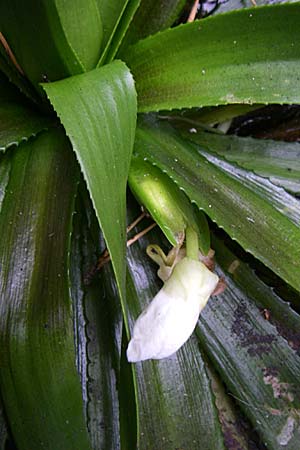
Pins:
x,y
169,320
166,203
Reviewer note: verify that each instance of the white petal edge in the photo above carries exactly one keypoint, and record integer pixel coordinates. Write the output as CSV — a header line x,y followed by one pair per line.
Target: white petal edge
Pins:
x,y
170,319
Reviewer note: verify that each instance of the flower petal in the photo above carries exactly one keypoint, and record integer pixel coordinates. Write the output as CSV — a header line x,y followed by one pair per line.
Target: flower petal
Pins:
x,y
169,320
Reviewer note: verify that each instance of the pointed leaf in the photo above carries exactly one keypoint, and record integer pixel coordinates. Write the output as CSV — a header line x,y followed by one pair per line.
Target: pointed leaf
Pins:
x,y
98,111
98,320
209,115
278,161
52,39
110,13
236,430
18,120
248,56
39,382
276,310
263,218
176,390
17,78
119,31
152,16
256,363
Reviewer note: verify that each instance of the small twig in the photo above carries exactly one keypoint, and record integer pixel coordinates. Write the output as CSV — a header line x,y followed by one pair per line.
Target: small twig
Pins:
x,y
193,12
10,53
136,221
253,2
105,257
140,234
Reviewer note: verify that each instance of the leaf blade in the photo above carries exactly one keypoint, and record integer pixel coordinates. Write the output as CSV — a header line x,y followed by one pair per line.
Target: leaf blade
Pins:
x,y
104,100
182,406
248,56
246,350
151,17
69,38
110,13
97,322
244,209
119,31
278,161
18,120
39,382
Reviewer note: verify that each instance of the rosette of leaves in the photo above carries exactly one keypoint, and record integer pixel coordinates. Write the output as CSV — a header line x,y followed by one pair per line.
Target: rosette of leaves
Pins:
x,y
75,76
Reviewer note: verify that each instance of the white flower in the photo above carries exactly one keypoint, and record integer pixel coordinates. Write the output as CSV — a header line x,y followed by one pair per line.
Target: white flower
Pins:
x,y
169,320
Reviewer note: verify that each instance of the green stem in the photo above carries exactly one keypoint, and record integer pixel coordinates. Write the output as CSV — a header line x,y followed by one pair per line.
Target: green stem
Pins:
x,y
191,242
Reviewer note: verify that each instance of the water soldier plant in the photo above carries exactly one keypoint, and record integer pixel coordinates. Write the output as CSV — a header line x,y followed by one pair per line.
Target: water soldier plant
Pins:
x,y
100,100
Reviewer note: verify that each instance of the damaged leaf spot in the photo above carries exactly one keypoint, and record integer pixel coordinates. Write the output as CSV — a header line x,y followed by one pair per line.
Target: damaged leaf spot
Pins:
x,y
280,390
285,392
256,343
287,431
233,266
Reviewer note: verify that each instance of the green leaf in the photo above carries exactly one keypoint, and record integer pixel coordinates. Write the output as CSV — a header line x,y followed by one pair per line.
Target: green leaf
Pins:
x,y
258,366
39,382
52,39
263,218
110,13
176,390
119,31
15,77
82,27
18,120
98,111
167,205
152,16
97,323
235,429
5,167
208,116
248,56
278,161
3,428
286,320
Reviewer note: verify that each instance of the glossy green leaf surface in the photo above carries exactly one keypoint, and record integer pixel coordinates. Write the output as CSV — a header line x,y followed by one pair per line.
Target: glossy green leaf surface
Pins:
x,y
119,32
278,161
18,120
104,100
248,56
257,364
15,77
236,431
52,39
263,218
39,383
175,403
152,16
98,322
279,312
82,27
207,117
110,13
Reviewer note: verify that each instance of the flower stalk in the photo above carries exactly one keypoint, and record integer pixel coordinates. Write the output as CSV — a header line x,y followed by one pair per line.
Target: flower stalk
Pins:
x,y
192,245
